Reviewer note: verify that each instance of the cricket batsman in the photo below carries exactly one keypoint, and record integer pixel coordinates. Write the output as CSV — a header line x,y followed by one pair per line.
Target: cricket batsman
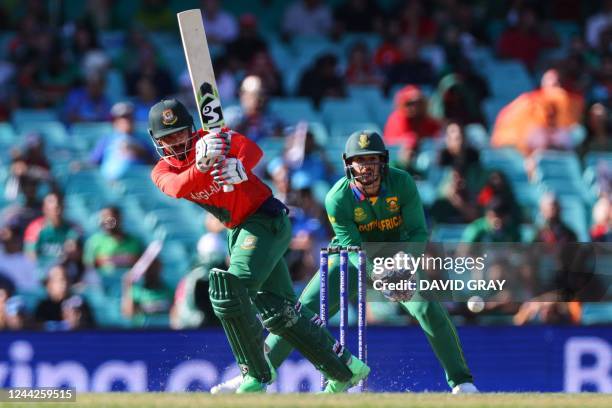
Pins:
x,y
375,203
195,165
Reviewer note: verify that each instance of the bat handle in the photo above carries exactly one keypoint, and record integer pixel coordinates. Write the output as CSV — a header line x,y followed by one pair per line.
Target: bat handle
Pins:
x,y
228,188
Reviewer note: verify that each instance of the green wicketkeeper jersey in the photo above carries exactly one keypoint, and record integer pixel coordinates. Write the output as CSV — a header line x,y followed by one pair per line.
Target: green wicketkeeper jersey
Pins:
x,y
395,215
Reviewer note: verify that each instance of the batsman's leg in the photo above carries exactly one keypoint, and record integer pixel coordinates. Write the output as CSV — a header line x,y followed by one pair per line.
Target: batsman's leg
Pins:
x,y
279,349
442,337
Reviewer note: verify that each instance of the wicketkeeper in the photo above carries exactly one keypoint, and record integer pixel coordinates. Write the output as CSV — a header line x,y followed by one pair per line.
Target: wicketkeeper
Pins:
x,y
195,165
375,203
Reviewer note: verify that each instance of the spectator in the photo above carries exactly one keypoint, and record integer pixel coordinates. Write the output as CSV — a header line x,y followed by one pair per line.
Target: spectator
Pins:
x,y
496,226
601,89
409,122
455,101
247,43
457,153
553,229
598,23
192,307
48,311
22,215
86,52
551,136
360,70
456,205
146,95
302,153
7,288
415,22
601,231
17,316
498,187
14,264
529,110
253,118
72,261
362,16
29,164
156,15
149,68
88,103
526,40
388,53
307,17
322,80
76,314
599,134
122,150
111,251
261,65
152,297
46,236
279,173
406,159
221,26
411,68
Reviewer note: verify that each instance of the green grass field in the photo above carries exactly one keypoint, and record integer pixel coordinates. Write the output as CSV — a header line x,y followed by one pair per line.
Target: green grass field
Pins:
x,y
405,400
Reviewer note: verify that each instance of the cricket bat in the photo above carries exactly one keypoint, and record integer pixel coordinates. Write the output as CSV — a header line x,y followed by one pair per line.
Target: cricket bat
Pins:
x,y
201,71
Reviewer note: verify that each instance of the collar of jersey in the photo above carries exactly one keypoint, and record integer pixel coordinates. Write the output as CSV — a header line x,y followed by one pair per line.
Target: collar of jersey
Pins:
x,y
360,196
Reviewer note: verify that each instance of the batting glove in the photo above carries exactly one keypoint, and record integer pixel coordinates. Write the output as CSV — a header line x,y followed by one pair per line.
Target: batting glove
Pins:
x,y
229,171
210,148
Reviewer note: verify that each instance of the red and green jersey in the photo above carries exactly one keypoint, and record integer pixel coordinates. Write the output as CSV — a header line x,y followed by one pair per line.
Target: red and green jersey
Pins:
x,y
231,208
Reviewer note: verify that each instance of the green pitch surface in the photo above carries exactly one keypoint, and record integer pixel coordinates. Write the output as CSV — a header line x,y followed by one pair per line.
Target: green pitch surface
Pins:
x,y
406,400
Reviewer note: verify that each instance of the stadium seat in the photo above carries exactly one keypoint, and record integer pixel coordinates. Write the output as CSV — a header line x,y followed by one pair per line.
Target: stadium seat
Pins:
x,y
53,132
447,232
115,86
90,132
427,192
597,313
491,107
340,130
20,116
508,79
476,135
293,110
319,131
507,159
7,134
335,110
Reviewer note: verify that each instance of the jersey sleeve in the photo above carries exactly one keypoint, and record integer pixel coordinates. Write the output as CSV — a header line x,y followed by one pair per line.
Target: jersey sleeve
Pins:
x,y
341,221
413,215
173,184
246,150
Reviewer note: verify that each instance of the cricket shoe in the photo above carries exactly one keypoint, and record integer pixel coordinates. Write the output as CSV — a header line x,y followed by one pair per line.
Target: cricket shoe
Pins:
x,y
253,385
465,388
360,371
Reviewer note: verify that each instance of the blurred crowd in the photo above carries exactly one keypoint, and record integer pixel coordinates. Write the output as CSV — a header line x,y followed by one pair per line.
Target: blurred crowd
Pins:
x,y
426,63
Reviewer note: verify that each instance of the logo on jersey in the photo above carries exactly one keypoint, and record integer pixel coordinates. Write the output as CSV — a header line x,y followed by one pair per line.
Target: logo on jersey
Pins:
x,y
249,242
332,219
360,214
392,204
364,141
168,117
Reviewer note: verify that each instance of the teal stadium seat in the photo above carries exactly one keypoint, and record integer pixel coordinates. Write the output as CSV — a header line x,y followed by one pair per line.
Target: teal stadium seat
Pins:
x,y
448,232
89,133
506,159
335,110
476,135
8,137
20,116
491,108
293,110
508,79
597,313
53,132
341,130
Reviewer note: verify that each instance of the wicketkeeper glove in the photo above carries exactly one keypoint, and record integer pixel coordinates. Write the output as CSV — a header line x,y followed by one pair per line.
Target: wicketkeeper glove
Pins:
x,y
229,171
210,148
397,276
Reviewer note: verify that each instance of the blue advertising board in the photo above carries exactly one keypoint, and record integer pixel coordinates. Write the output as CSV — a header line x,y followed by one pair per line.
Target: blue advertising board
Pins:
x,y
508,359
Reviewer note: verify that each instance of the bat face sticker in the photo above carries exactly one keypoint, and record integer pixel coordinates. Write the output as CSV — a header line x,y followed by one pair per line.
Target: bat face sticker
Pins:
x,y
210,105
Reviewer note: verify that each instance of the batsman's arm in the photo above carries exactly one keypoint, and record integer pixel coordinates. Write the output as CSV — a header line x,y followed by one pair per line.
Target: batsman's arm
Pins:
x,y
172,184
247,151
